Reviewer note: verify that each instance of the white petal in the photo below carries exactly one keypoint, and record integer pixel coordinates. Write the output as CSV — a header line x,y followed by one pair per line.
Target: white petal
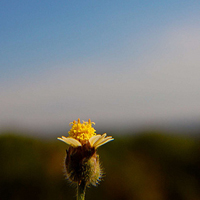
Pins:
x,y
108,139
93,139
70,141
100,139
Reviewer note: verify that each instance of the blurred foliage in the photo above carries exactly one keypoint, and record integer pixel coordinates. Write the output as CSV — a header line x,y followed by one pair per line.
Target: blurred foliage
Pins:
x,y
146,166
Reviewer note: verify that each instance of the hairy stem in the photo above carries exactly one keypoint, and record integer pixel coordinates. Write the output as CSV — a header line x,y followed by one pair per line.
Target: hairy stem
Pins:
x,y
81,190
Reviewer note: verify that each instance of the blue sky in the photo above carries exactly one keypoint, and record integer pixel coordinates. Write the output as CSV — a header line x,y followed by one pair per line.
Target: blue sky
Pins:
x,y
116,62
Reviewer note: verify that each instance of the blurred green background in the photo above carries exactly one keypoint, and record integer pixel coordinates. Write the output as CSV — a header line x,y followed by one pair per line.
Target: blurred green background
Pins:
x,y
151,165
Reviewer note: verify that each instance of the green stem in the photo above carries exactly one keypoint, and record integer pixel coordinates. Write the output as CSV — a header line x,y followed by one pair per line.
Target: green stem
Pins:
x,y
81,191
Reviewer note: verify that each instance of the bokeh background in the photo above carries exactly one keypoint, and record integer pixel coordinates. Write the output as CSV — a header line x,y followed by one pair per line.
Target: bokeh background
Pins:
x,y
130,66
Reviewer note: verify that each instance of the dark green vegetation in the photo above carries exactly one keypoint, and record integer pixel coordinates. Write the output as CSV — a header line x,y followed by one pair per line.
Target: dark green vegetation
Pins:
x,y
148,166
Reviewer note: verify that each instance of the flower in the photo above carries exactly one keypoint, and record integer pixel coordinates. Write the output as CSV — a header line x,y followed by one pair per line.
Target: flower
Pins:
x,y
82,161
83,133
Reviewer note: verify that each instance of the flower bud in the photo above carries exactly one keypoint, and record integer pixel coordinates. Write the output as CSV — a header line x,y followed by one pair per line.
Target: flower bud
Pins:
x,y
82,164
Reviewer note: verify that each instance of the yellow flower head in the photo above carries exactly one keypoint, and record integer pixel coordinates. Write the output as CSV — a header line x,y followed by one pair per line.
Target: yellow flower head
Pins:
x,y
82,131
82,161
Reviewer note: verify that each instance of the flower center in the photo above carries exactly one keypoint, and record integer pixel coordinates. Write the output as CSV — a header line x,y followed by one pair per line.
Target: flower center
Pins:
x,y
82,131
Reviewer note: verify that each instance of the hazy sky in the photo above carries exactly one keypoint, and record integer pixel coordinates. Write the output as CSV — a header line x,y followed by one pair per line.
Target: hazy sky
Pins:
x,y
117,62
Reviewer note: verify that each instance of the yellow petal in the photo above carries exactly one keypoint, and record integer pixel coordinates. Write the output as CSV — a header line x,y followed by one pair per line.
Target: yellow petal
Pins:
x,y
100,139
102,142
93,139
70,141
